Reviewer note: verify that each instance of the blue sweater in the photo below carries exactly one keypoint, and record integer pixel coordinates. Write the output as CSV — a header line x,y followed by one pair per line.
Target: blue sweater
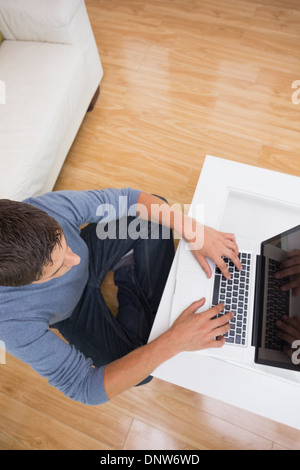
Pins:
x,y
26,312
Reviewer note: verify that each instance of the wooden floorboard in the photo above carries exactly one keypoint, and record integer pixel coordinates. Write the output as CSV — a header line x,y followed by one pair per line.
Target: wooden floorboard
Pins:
x,y
182,79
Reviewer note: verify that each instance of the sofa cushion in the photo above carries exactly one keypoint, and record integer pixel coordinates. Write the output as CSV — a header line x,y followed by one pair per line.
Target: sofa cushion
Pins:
x,y
43,82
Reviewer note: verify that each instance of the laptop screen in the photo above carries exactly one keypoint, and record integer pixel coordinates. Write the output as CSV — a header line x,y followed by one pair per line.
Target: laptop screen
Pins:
x,y
278,301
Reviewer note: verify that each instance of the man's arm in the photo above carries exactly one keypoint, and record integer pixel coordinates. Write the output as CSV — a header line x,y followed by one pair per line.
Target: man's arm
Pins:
x,y
190,332
204,241
82,207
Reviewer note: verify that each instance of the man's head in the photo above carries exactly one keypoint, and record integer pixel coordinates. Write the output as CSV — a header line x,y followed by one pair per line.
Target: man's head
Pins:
x,y
32,245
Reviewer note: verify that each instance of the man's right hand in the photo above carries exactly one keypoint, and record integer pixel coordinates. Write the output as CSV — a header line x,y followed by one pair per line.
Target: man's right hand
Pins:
x,y
190,332
193,331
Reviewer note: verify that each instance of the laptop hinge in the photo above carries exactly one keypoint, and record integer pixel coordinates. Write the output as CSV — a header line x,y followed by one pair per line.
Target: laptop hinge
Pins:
x,y
258,299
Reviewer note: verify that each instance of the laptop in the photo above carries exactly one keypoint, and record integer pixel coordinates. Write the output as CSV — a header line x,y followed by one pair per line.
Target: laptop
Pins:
x,y
254,294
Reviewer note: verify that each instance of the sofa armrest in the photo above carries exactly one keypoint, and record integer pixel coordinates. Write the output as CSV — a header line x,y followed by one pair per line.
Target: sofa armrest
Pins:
x,y
38,20
55,21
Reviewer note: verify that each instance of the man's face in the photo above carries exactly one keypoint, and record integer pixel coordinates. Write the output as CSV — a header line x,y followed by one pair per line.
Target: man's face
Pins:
x,y
63,259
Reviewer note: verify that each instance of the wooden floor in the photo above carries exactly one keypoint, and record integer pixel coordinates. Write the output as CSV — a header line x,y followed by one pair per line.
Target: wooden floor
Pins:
x,y
183,78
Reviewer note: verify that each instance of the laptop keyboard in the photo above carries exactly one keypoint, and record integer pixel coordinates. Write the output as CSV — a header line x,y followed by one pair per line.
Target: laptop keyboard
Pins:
x,y
234,293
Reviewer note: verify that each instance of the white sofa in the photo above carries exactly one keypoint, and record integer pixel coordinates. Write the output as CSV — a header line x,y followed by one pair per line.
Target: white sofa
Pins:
x,y
50,70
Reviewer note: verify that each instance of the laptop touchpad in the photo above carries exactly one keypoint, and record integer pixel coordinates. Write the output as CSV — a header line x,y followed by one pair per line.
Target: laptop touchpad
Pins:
x,y
193,286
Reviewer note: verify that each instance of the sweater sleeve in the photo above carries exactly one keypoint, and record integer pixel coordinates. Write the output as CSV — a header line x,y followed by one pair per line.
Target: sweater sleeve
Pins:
x,y
65,368
81,207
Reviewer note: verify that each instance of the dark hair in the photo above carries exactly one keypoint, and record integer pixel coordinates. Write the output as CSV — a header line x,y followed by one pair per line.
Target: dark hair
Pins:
x,y
27,238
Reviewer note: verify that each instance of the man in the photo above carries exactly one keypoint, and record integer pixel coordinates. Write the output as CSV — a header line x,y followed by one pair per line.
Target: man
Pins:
x,y
51,270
